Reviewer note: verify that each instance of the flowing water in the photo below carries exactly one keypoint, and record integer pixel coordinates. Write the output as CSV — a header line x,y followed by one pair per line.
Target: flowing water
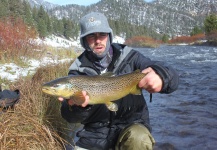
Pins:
x,y
187,118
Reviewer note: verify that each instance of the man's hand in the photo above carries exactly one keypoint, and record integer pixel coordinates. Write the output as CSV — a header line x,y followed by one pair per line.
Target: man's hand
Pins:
x,y
151,82
77,102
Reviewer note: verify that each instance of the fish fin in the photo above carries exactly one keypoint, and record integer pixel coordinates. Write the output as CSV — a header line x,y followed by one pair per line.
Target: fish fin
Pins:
x,y
78,98
138,70
136,91
112,106
108,74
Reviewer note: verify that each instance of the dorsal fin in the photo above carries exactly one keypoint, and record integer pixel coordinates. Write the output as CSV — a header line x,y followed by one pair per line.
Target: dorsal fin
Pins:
x,y
108,74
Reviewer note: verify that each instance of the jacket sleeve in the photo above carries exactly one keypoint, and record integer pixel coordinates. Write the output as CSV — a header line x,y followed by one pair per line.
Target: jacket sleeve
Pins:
x,y
74,114
168,75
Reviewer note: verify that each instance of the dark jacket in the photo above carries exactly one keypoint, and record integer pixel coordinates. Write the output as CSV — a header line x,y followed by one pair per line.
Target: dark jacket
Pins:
x,y
101,126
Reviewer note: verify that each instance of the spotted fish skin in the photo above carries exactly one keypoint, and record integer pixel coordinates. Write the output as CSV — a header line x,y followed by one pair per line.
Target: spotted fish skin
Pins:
x,y
100,89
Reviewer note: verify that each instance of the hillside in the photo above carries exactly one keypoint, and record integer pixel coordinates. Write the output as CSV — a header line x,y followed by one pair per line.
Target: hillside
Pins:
x,y
173,17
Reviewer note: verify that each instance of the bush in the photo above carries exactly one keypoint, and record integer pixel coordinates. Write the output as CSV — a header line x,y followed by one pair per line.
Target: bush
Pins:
x,y
187,39
15,38
142,41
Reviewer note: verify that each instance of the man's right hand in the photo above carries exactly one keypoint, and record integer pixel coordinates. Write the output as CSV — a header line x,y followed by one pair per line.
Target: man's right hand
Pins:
x,y
76,102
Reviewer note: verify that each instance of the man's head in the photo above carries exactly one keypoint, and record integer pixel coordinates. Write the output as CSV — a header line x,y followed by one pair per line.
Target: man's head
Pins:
x,y
96,34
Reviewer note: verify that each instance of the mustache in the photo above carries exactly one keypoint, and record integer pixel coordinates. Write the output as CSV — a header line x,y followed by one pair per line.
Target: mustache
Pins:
x,y
99,45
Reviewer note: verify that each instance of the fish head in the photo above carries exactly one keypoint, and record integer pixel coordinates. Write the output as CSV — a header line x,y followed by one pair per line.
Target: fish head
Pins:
x,y
60,87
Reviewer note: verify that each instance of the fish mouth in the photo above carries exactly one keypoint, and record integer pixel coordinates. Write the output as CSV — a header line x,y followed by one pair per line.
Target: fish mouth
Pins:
x,y
45,89
48,91
54,92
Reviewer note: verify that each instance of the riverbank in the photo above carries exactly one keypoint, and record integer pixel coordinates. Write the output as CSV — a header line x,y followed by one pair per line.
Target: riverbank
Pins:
x,y
207,43
197,43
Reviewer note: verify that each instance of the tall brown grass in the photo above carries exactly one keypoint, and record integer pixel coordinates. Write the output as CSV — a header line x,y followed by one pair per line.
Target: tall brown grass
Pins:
x,y
142,41
35,123
187,39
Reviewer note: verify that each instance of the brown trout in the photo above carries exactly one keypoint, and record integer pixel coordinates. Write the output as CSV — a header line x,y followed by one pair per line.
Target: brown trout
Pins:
x,y
100,89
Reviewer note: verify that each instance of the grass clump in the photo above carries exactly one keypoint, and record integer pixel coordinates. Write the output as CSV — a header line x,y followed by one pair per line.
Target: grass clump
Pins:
x,y
35,122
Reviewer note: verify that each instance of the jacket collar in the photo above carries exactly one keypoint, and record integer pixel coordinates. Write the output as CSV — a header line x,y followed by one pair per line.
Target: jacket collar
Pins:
x,y
85,62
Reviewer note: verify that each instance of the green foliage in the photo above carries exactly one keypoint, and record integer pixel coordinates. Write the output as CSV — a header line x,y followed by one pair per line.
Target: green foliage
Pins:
x,y
42,28
15,8
131,30
4,8
165,38
58,26
210,26
210,23
42,21
196,30
28,19
67,32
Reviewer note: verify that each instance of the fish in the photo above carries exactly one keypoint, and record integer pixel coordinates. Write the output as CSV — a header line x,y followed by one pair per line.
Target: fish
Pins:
x,y
101,89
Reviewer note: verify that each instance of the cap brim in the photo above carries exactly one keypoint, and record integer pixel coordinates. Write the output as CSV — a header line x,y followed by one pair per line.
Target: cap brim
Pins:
x,y
106,30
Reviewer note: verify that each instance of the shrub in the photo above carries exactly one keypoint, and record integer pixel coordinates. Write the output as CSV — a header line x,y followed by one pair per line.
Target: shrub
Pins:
x,y
187,39
142,41
15,38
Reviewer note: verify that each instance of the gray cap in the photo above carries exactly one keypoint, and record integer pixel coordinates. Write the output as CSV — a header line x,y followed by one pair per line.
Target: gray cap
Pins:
x,y
92,23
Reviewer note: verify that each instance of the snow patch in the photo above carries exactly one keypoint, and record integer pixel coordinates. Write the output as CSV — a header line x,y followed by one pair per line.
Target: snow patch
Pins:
x,y
12,72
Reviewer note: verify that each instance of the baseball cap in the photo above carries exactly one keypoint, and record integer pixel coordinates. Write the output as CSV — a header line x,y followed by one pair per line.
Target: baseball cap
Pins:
x,y
92,23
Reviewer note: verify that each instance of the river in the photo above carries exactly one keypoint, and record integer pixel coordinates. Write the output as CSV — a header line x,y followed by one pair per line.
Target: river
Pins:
x,y
187,118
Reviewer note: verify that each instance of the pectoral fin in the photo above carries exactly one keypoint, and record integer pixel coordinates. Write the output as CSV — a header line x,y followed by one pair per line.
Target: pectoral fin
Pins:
x,y
136,90
112,106
78,98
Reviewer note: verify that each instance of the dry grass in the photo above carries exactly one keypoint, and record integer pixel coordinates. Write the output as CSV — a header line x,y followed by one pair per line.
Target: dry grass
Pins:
x,y
21,130
35,122
142,41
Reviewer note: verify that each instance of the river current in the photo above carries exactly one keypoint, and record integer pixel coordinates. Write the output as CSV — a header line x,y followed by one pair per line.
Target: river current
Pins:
x,y
187,118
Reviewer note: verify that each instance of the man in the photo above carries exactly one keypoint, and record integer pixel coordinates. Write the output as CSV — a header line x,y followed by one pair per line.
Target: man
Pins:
x,y
128,128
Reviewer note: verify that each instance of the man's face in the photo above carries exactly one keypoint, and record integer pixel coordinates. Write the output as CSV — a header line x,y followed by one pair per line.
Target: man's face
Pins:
x,y
97,42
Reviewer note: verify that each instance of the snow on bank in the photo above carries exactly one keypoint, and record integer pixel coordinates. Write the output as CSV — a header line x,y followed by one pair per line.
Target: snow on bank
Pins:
x,y
55,41
12,72
118,39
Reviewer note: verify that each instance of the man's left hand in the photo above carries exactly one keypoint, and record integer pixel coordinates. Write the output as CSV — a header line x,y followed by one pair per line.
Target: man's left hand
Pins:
x,y
151,82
